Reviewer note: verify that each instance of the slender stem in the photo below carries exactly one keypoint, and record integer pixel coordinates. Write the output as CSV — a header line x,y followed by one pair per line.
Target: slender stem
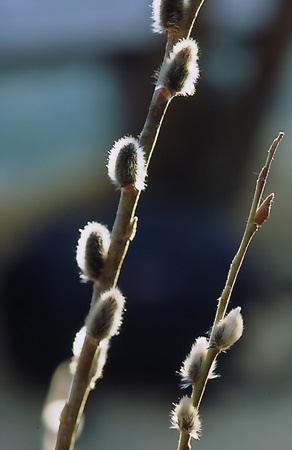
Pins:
x,y
122,229
249,232
184,441
200,385
120,238
150,131
71,414
251,228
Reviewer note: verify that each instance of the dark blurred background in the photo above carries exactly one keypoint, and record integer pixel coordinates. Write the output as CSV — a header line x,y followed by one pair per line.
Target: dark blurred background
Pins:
x,y
75,77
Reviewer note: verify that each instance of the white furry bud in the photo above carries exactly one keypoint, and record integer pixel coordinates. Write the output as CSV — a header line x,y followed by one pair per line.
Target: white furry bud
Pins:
x,y
185,418
192,366
126,164
167,14
105,317
92,248
228,330
180,72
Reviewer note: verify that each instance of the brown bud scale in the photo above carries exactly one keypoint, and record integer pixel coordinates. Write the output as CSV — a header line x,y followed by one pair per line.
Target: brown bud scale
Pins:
x,y
264,210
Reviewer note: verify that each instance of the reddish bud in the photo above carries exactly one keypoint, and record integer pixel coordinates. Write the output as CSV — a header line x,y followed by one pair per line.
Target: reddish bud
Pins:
x,y
264,210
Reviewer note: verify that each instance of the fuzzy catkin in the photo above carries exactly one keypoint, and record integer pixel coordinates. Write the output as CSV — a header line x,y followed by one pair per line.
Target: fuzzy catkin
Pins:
x,y
180,72
126,164
92,248
167,14
228,330
192,366
105,317
185,418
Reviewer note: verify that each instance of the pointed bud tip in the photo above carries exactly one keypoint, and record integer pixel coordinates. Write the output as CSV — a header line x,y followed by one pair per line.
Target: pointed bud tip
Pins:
x,y
264,210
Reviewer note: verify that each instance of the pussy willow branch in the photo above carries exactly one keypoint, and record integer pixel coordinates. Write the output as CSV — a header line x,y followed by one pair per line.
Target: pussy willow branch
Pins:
x,y
120,239
251,228
122,229
129,196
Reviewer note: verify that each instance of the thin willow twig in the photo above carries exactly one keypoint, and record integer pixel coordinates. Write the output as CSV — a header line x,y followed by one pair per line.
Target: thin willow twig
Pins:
x,y
251,228
71,414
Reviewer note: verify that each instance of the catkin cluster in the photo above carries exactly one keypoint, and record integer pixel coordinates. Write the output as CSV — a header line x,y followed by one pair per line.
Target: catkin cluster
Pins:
x,y
127,167
105,316
226,332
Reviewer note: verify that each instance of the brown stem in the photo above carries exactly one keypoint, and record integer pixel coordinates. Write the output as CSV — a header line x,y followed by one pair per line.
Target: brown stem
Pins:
x,y
71,414
120,239
184,441
122,229
251,228
249,232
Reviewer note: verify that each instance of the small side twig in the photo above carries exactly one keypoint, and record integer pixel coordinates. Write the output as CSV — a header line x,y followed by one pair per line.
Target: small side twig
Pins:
x,y
252,226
